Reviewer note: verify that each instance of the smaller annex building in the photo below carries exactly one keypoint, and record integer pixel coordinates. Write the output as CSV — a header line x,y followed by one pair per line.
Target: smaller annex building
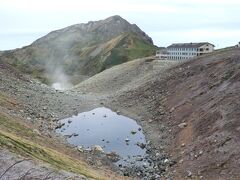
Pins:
x,y
162,54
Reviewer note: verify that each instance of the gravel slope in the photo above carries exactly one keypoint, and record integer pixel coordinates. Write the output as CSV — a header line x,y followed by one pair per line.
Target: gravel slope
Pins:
x,y
124,77
189,111
191,114
40,107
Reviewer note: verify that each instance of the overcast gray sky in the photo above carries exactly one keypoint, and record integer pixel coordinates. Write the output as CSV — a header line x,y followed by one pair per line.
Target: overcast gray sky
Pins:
x,y
166,21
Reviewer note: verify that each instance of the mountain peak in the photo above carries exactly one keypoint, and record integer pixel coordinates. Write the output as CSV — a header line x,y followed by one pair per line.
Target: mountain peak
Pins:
x,y
104,30
116,18
86,49
111,19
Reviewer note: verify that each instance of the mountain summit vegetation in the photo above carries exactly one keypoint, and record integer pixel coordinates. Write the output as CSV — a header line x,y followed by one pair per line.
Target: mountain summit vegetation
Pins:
x,y
82,50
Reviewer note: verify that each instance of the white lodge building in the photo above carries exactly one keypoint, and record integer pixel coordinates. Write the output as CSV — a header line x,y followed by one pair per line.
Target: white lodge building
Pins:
x,y
181,51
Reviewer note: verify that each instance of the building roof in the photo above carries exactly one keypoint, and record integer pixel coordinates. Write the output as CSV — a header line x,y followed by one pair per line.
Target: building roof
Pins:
x,y
188,45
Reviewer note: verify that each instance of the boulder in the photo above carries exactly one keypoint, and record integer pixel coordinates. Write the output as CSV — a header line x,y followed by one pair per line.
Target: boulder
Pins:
x,y
80,148
133,131
98,148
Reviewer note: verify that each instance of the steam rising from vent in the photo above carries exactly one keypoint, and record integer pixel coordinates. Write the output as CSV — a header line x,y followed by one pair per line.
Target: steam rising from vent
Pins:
x,y
60,80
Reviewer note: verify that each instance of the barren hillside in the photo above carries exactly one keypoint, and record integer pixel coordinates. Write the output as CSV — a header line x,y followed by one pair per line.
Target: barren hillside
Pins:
x,y
190,112
124,77
193,115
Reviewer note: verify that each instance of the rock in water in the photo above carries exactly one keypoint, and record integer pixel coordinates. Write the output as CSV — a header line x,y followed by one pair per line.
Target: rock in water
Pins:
x,y
141,145
133,131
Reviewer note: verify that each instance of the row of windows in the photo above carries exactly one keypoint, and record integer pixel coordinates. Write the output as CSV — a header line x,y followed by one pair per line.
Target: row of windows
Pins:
x,y
182,49
183,53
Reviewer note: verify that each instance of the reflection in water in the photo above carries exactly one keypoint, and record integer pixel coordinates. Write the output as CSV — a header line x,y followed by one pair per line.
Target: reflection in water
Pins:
x,y
103,127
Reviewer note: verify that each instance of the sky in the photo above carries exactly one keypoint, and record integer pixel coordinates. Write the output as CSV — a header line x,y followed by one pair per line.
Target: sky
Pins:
x,y
165,21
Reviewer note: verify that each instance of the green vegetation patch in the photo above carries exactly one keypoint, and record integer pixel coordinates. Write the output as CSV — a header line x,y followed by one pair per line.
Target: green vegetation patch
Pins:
x,y
129,48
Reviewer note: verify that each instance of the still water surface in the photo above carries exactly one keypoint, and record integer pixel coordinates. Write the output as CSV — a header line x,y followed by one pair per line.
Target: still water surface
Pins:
x,y
103,127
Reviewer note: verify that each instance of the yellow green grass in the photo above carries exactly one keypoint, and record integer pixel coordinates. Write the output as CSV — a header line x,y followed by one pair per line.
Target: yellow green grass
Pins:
x,y
20,139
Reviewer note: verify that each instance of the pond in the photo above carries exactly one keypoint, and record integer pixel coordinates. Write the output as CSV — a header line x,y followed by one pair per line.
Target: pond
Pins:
x,y
103,127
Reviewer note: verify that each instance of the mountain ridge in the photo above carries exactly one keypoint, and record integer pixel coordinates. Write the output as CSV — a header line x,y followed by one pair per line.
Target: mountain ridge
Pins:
x,y
116,21
82,49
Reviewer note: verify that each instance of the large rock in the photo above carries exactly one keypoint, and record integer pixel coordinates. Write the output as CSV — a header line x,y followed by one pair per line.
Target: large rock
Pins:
x,y
98,149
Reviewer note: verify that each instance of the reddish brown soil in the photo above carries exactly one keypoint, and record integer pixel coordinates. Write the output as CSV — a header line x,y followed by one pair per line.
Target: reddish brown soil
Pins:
x,y
207,97
205,94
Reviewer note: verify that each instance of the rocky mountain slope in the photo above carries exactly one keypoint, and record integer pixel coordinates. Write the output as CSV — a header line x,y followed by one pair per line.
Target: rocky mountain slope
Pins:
x,y
29,146
29,114
189,111
82,50
121,78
